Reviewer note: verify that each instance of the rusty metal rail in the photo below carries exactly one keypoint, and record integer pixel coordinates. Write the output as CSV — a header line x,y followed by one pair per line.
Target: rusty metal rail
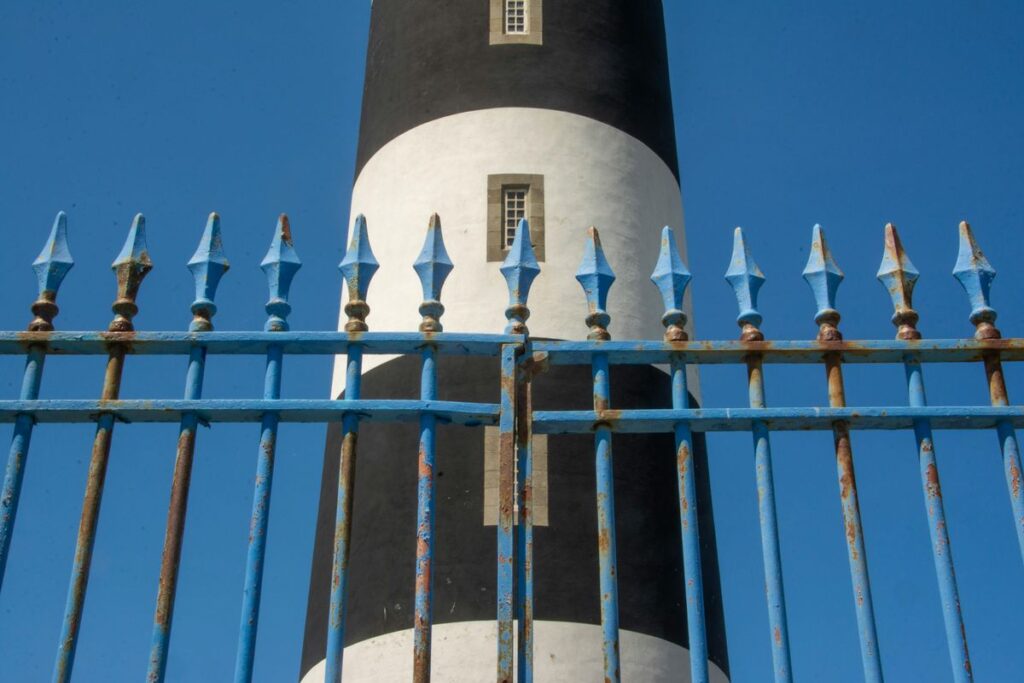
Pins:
x,y
520,358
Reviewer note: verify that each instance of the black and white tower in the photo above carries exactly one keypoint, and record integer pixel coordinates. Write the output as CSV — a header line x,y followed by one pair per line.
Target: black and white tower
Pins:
x,y
486,112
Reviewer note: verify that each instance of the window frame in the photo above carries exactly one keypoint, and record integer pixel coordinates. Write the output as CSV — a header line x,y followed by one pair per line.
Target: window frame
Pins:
x,y
497,186
534,24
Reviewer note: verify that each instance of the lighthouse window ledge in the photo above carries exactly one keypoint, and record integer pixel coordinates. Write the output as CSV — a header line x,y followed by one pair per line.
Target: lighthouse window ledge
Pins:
x,y
512,197
517,22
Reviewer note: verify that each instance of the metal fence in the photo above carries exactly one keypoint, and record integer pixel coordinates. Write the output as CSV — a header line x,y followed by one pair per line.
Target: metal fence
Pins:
x,y
520,358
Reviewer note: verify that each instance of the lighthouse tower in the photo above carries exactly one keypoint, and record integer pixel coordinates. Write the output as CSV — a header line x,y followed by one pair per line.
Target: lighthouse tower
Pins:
x,y
487,112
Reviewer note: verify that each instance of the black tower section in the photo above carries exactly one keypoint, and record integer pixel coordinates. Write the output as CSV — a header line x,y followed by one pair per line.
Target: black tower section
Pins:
x,y
603,59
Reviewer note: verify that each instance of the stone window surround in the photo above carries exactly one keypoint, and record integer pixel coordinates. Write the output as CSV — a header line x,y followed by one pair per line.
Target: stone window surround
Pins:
x,y
491,477
496,214
535,30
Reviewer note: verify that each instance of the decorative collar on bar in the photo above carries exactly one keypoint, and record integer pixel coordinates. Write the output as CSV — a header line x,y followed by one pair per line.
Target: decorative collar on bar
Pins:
x,y
433,266
280,265
975,275
131,266
52,264
520,269
671,278
596,277
358,268
207,266
823,275
898,275
746,280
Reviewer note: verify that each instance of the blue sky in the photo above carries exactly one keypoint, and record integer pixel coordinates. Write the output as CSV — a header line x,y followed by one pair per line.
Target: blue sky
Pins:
x,y
787,114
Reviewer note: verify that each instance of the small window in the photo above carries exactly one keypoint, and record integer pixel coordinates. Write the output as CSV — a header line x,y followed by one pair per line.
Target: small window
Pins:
x,y
514,211
515,17
516,22
511,197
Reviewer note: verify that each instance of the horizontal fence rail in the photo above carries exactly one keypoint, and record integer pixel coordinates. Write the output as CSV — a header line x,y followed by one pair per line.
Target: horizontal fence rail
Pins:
x,y
520,359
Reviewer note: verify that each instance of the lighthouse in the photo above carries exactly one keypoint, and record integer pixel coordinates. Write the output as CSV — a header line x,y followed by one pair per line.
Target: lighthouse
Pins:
x,y
488,112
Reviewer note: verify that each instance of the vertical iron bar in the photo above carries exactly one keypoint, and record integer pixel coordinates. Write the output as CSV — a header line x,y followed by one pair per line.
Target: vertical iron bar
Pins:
x,y
688,522
506,455
259,522
89,521
852,525
425,515
524,533
343,519
770,551
1007,443
177,511
51,267
956,635
606,521
130,267
18,454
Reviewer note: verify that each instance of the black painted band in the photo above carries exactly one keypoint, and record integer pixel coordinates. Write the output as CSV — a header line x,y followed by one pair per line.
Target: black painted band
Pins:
x,y
603,59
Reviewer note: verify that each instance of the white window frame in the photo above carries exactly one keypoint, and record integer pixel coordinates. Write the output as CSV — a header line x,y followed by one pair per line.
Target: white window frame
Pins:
x,y
515,206
532,31
517,17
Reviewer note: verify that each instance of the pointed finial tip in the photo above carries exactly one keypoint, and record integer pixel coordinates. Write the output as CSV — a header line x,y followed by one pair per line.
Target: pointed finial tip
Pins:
x,y
435,221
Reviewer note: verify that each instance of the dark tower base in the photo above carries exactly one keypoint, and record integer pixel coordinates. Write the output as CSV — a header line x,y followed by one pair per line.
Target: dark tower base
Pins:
x,y
381,579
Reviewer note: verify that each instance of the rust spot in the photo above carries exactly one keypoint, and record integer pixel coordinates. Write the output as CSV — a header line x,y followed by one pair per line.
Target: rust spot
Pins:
x,y
777,634
604,540
851,538
932,478
1015,480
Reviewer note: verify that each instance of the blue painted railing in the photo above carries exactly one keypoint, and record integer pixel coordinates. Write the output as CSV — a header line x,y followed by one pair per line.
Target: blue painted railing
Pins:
x,y
520,358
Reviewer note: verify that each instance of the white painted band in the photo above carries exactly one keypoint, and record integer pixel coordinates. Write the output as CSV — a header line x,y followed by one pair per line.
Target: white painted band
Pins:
x,y
466,652
594,174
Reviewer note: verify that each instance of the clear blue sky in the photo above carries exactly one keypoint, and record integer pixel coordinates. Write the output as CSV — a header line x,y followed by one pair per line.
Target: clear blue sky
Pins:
x,y
788,113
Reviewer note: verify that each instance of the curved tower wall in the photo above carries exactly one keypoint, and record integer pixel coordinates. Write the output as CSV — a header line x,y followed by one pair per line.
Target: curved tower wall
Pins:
x,y
454,112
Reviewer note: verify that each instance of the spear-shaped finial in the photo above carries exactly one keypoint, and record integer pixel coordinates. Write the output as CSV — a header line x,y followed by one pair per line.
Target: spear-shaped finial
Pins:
x,y
746,279
433,267
671,278
131,266
823,275
898,275
975,275
520,269
208,266
52,264
280,265
358,268
596,278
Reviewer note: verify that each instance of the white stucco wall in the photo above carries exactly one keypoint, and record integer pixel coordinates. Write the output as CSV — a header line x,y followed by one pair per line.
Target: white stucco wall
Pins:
x,y
466,652
594,174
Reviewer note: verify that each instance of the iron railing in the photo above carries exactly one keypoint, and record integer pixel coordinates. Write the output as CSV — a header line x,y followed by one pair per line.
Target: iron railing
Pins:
x,y
520,358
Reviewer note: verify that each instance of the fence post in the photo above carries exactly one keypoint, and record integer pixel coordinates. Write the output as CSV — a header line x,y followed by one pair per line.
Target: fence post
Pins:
x,y
432,266
131,266
208,266
898,275
823,275
596,277
519,269
357,267
280,265
52,264
975,274
746,280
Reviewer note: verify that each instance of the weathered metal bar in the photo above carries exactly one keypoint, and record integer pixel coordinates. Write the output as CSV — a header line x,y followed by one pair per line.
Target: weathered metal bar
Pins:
x,y
699,352
51,266
433,267
280,265
596,277
524,531
671,278
823,275
975,274
746,279
208,266
505,547
301,343
519,269
358,268
898,275
544,422
131,266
